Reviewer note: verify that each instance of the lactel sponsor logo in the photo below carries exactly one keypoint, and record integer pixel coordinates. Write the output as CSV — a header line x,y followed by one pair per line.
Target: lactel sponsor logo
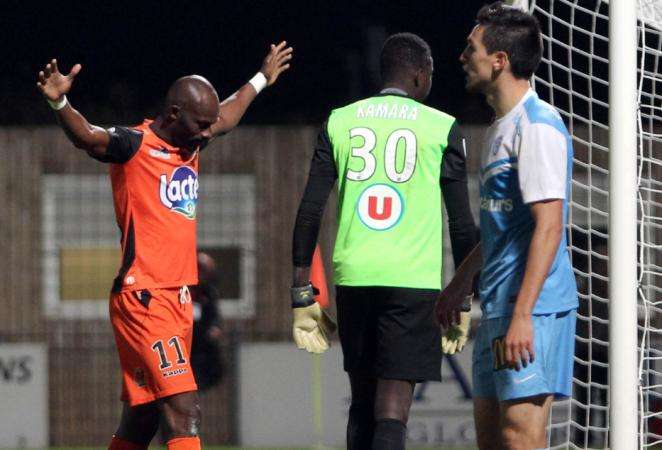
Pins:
x,y
180,194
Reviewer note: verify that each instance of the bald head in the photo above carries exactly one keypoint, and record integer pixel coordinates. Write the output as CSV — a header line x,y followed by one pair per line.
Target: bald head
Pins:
x,y
193,93
191,108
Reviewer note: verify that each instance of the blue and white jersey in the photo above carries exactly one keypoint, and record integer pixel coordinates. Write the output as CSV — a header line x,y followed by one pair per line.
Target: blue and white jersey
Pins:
x,y
527,158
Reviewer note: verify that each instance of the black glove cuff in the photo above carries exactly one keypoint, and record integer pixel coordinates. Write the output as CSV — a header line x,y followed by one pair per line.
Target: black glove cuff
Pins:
x,y
302,296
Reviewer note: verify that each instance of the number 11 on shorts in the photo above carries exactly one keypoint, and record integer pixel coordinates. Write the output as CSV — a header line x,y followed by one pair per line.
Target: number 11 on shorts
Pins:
x,y
161,350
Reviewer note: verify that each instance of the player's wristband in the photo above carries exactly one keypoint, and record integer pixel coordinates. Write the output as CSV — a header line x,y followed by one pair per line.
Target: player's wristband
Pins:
x,y
58,104
259,82
302,296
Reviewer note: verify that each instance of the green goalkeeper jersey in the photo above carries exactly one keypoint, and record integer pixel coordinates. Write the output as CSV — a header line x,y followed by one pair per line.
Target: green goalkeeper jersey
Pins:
x,y
389,156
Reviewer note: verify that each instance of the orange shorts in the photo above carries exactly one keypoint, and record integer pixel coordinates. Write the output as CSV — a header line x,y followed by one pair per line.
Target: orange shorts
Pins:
x,y
153,332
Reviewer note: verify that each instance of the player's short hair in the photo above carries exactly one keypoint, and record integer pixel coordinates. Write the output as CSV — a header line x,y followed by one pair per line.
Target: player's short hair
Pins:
x,y
511,30
403,51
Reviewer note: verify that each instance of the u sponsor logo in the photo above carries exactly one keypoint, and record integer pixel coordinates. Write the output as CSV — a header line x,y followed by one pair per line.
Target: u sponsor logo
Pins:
x,y
380,207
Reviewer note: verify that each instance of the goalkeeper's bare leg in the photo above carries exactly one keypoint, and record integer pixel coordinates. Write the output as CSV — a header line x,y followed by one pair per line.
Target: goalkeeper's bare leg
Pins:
x,y
361,421
378,413
392,403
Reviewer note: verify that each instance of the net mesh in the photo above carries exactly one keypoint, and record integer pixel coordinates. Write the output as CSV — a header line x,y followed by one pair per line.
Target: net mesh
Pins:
x,y
574,78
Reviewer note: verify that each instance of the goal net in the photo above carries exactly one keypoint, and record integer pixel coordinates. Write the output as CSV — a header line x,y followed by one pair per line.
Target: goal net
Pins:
x,y
574,77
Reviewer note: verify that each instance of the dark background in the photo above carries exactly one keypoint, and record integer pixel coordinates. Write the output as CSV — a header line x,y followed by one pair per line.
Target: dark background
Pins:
x,y
132,51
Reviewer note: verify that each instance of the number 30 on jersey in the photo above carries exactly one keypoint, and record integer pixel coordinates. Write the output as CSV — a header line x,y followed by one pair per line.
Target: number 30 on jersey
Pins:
x,y
380,206
390,155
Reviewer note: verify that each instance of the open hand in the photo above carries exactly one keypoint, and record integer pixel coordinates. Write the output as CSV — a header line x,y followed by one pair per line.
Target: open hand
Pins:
x,y
519,342
276,62
54,84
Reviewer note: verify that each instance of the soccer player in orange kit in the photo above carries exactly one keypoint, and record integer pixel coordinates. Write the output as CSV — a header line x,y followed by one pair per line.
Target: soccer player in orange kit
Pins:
x,y
154,175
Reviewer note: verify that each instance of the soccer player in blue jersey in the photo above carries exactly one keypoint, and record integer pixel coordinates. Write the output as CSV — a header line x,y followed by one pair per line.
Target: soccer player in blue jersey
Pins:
x,y
523,354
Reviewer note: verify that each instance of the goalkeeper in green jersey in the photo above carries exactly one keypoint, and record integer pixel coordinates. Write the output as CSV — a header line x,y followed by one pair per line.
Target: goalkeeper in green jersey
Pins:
x,y
393,158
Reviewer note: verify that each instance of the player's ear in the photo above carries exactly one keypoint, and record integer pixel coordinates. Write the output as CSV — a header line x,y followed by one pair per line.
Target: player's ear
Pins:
x,y
173,112
500,61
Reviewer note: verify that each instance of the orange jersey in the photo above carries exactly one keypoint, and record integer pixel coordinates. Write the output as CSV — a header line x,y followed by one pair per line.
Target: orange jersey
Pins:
x,y
155,191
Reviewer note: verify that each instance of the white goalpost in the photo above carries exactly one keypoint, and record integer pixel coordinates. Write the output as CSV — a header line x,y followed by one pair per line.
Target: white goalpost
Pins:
x,y
601,70
623,224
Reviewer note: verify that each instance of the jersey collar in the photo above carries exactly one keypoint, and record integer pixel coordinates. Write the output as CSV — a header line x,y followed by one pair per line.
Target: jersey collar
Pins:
x,y
514,111
163,143
393,91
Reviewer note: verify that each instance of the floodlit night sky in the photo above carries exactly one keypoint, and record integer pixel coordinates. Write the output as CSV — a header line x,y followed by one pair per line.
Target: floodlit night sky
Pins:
x,y
132,51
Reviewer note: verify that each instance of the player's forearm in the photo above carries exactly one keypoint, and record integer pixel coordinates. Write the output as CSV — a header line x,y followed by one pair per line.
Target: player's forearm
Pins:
x,y
300,276
306,229
307,225
542,250
471,265
309,220
233,108
463,280
321,179
80,132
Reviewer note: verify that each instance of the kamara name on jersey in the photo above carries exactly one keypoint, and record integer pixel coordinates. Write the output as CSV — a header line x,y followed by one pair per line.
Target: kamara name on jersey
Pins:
x,y
387,111
180,194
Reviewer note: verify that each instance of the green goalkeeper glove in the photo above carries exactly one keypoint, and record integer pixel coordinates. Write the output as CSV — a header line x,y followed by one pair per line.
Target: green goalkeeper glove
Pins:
x,y
456,337
311,326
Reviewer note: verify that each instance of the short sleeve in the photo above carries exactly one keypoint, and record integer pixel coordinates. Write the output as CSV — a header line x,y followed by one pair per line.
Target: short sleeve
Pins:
x,y
124,143
542,163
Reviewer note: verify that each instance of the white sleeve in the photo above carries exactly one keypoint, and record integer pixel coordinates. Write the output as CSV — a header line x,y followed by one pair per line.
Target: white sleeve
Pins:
x,y
542,163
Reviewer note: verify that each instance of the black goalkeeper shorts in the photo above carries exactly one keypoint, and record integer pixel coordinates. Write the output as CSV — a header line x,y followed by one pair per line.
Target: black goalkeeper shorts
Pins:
x,y
389,332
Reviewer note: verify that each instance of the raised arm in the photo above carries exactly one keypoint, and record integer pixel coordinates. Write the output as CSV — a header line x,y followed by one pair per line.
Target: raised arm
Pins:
x,y
54,86
234,107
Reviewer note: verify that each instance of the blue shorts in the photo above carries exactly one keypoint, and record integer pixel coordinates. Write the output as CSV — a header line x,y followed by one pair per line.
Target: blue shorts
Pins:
x,y
550,372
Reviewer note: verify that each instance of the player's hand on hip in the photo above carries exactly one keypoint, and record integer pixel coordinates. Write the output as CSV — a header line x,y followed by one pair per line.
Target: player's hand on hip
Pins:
x,y
276,62
53,84
456,336
519,344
